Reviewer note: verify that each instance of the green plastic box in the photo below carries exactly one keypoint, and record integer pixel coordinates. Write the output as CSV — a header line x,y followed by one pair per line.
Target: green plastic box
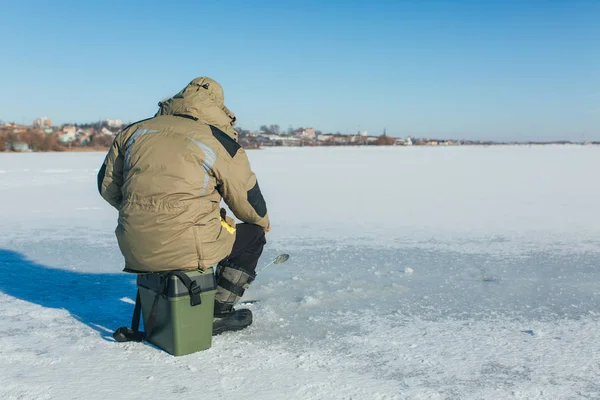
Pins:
x,y
180,328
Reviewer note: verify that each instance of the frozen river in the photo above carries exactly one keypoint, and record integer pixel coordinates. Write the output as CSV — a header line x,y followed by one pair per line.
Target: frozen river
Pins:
x,y
415,273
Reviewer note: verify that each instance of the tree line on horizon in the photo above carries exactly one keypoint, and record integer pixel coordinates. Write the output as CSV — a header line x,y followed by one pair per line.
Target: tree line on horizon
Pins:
x,y
274,129
37,140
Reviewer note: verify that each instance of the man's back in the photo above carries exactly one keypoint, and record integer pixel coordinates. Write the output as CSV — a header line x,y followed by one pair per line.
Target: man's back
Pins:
x,y
166,176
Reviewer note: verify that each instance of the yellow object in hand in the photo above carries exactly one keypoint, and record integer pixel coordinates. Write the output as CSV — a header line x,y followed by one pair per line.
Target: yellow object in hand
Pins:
x,y
229,228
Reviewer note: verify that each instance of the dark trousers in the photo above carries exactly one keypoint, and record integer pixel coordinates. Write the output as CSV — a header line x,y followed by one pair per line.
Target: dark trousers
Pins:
x,y
248,246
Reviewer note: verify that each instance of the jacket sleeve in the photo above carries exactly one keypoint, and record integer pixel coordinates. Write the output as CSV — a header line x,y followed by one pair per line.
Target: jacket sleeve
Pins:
x,y
110,176
240,190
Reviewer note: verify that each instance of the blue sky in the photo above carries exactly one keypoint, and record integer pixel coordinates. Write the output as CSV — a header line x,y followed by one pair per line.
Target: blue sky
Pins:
x,y
470,69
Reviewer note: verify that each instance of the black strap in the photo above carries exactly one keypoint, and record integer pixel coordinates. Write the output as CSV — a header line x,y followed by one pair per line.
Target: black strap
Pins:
x,y
193,289
125,334
152,319
232,287
135,320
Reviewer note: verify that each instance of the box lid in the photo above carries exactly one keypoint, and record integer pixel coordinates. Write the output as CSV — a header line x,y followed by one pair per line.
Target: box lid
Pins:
x,y
172,286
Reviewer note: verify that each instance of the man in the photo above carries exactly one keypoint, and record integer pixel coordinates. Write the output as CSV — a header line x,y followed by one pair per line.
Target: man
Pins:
x,y
166,176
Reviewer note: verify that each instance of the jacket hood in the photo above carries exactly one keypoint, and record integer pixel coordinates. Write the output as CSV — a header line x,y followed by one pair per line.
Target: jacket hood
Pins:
x,y
203,100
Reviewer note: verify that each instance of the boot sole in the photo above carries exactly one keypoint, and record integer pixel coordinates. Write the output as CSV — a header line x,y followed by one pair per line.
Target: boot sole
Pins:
x,y
224,329
232,327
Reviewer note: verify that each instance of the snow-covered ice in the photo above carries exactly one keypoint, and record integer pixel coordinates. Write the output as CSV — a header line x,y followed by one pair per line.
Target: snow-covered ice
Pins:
x,y
415,273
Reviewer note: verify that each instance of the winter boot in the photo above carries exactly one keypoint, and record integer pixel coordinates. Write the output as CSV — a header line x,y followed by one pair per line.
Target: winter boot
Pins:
x,y
234,321
232,281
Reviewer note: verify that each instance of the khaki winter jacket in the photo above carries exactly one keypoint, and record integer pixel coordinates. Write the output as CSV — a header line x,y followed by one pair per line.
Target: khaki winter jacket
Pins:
x,y
166,175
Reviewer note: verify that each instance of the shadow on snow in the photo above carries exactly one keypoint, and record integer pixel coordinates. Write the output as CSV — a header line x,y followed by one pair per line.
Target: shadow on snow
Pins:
x,y
93,299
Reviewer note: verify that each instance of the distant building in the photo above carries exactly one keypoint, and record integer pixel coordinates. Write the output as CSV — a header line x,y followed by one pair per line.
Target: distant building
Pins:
x,y
43,122
363,133
68,129
67,134
67,137
269,136
291,141
309,133
114,123
107,132
306,133
23,147
341,139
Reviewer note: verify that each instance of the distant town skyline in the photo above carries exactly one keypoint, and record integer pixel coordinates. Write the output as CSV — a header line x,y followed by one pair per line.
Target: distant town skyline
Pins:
x,y
461,70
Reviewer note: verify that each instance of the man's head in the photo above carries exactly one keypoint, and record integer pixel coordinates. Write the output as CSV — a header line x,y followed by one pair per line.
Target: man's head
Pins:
x,y
202,99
